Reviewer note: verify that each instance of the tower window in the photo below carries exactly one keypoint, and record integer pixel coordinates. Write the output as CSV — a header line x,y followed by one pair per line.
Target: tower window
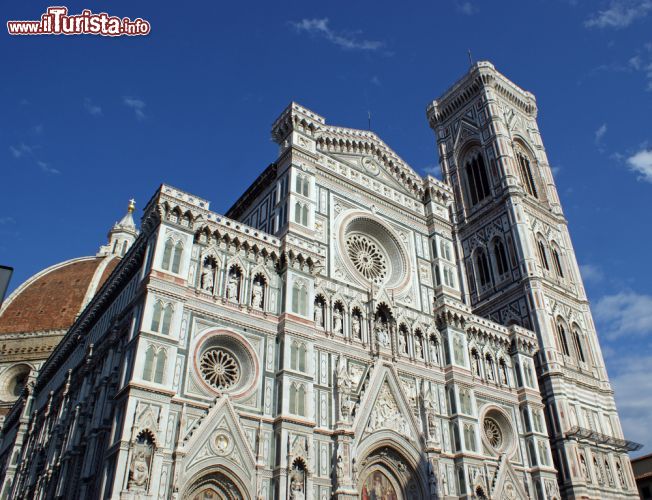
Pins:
x,y
556,259
563,341
526,174
577,336
543,256
484,277
501,257
476,174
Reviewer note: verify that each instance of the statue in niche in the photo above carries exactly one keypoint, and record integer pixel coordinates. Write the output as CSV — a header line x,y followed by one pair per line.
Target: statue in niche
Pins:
x,y
339,468
337,320
431,416
257,295
503,373
207,278
382,333
402,342
319,314
296,487
490,369
434,351
356,327
139,470
232,288
418,346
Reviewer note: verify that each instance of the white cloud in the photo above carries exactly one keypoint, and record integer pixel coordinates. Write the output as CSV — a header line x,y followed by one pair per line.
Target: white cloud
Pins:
x,y
433,170
45,167
632,385
624,314
599,134
138,105
347,41
619,14
641,163
467,8
92,108
21,150
591,273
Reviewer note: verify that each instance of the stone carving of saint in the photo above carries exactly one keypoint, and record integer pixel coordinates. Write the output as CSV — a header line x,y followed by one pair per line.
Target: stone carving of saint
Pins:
x,y
382,334
296,489
339,468
402,344
337,320
503,373
434,352
207,277
490,369
319,314
476,365
418,347
356,327
139,471
232,288
257,296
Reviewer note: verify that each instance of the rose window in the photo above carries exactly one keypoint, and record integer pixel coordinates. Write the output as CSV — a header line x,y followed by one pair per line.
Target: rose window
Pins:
x,y
367,257
493,433
219,368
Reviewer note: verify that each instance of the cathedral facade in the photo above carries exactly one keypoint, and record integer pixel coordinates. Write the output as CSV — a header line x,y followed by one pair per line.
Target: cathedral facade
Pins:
x,y
347,330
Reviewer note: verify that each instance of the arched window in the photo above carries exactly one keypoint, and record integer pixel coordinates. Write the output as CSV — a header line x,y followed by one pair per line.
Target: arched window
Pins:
x,y
124,248
469,437
304,215
437,278
297,212
293,398
162,317
543,254
176,258
556,260
149,363
115,246
476,175
298,399
484,277
160,366
302,185
577,337
563,341
298,356
300,298
501,257
526,174
167,255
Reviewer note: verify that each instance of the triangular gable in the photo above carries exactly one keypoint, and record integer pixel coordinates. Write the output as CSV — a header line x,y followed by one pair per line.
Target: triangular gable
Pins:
x,y
385,407
219,435
368,165
465,131
506,483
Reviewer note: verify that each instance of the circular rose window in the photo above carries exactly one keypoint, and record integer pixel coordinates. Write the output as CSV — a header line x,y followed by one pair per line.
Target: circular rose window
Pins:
x,y
493,433
367,256
497,430
219,368
225,362
372,252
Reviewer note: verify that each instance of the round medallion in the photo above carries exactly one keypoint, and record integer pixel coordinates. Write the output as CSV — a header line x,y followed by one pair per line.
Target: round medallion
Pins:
x,y
219,368
222,443
493,433
367,257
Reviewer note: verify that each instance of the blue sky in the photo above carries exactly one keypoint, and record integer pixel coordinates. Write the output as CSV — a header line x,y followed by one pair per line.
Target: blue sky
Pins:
x,y
89,122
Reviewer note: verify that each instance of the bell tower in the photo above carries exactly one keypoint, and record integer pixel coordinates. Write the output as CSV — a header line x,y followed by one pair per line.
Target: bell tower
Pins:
x,y
519,267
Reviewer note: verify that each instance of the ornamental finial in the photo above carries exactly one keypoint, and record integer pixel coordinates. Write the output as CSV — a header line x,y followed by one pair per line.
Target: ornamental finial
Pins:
x,y
132,206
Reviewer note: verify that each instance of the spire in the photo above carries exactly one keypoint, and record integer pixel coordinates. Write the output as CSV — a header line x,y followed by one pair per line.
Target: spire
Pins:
x,y
122,234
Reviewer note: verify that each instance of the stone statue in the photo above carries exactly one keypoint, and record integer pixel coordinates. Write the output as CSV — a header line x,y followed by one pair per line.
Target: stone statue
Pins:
x,y
402,344
418,347
296,489
139,470
232,288
356,327
503,373
337,320
257,296
382,333
434,352
490,369
207,278
339,468
354,470
319,314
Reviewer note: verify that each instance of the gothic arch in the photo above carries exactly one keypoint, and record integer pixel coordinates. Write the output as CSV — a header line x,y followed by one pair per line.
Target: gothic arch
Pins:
x,y
223,482
389,463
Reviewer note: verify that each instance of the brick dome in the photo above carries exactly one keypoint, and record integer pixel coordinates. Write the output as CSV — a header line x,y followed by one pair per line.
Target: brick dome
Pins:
x,y
52,299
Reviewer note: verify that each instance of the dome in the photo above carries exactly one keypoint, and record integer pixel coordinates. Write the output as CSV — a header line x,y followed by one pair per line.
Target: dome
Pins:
x,y
52,299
